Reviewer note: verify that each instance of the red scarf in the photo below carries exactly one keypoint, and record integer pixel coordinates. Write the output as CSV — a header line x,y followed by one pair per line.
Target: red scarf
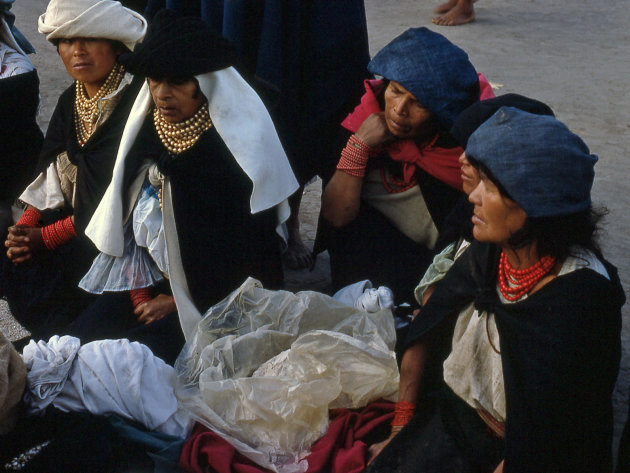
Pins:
x,y
441,163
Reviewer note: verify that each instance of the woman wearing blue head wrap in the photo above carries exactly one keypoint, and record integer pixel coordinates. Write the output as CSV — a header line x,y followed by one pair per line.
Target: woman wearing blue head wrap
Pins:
x,y
398,176
513,359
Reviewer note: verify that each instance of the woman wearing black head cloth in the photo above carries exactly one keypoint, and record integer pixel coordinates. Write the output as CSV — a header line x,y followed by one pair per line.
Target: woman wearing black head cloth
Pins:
x,y
202,163
524,330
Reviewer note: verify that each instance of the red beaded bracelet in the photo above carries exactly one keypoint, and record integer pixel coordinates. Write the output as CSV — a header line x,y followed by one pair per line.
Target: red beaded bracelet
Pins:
x,y
58,233
354,157
30,218
139,296
403,412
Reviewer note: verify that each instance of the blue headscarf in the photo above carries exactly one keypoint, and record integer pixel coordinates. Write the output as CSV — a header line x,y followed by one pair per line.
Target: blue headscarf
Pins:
x,y
546,169
9,17
433,69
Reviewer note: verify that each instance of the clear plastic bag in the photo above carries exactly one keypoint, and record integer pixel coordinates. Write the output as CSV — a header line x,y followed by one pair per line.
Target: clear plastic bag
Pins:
x,y
264,367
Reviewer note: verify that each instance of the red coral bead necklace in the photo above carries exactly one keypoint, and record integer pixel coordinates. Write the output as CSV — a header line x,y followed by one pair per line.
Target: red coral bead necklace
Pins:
x,y
515,283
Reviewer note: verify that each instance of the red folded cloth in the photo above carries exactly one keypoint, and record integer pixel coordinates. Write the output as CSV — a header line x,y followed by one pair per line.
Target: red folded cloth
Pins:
x,y
340,450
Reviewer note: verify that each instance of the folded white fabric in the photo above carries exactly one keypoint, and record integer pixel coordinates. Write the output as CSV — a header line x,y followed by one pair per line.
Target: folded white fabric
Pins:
x,y
361,295
106,19
104,377
47,366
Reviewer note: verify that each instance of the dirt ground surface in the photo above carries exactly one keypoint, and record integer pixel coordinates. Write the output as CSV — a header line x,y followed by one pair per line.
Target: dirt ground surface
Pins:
x,y
575,56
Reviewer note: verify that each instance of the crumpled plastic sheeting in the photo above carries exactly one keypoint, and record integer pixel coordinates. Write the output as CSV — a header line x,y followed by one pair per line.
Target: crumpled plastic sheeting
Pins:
x,y
264,367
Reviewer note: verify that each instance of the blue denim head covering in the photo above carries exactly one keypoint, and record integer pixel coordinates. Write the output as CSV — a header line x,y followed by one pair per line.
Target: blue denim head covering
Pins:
x,y
546,169
474,116
433,69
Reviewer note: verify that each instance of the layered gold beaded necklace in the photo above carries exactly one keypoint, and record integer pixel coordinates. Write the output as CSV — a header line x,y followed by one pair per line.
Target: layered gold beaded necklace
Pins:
x,y
178,137
86,109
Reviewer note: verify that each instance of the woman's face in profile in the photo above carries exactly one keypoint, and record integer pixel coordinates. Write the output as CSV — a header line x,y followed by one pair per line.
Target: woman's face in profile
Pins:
x,y
175,99
404,115
496,218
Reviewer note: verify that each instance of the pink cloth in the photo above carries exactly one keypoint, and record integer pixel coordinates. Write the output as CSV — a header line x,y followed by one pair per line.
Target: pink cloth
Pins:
x,y
441,163
341,450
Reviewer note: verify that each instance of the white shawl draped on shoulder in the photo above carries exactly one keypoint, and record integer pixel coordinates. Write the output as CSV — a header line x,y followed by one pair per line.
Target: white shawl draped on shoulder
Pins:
x,y
245,126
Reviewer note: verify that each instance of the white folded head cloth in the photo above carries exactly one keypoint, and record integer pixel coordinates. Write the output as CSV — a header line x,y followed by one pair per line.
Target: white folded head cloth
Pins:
x,y
106,19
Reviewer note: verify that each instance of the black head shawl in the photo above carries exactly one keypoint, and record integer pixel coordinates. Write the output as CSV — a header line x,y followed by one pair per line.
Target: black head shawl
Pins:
x,y
178,47
94,161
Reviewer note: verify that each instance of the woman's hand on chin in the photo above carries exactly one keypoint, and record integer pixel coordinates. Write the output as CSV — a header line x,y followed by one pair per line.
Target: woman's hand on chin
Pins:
x,y
373,131
155,309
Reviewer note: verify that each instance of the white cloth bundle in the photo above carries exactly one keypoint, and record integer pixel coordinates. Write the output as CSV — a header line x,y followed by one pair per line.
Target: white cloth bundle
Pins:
x,y
104,377
361,295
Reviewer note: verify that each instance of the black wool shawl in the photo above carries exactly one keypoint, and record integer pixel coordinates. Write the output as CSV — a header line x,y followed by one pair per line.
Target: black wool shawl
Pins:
x,y
20,136
221,242
95,160
560,351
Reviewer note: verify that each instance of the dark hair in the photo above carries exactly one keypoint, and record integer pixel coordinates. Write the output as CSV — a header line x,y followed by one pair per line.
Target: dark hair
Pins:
x,y
556,235
445,139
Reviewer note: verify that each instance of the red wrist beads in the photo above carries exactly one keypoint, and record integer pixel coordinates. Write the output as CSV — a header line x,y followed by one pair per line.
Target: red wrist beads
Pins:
x,y
403,412
139,296
515,283
58,233
30,218
354,157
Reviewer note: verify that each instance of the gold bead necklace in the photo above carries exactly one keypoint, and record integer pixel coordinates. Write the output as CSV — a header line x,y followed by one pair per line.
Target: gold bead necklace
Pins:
x,y
178,137
86,109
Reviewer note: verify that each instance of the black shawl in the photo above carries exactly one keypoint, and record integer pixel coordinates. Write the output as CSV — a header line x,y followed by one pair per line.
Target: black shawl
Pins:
x,y
560,351
221,242
20,136
95,160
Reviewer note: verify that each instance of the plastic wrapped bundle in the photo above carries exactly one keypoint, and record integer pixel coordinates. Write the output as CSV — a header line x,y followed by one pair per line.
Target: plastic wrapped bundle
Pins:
x,y
264,367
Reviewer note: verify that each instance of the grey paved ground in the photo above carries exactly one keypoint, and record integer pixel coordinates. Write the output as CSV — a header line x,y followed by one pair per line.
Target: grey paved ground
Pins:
x,y
573,55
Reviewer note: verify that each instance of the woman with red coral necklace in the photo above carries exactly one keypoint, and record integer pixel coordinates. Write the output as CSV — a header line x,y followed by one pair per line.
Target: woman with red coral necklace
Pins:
x,y
510,365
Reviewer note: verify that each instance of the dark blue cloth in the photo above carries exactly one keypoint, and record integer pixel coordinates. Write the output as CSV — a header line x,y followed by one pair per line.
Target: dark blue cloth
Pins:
x,y
111,316
308,60
433,69
163,449
545,168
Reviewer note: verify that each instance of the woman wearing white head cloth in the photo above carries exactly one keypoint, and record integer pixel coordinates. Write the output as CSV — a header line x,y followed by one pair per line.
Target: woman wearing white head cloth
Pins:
x,y
199,136
47,248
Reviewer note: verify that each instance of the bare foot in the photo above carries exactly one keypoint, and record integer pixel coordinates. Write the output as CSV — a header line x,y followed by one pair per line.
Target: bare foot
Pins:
x,y
463,13
444,7
447,6
297,255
